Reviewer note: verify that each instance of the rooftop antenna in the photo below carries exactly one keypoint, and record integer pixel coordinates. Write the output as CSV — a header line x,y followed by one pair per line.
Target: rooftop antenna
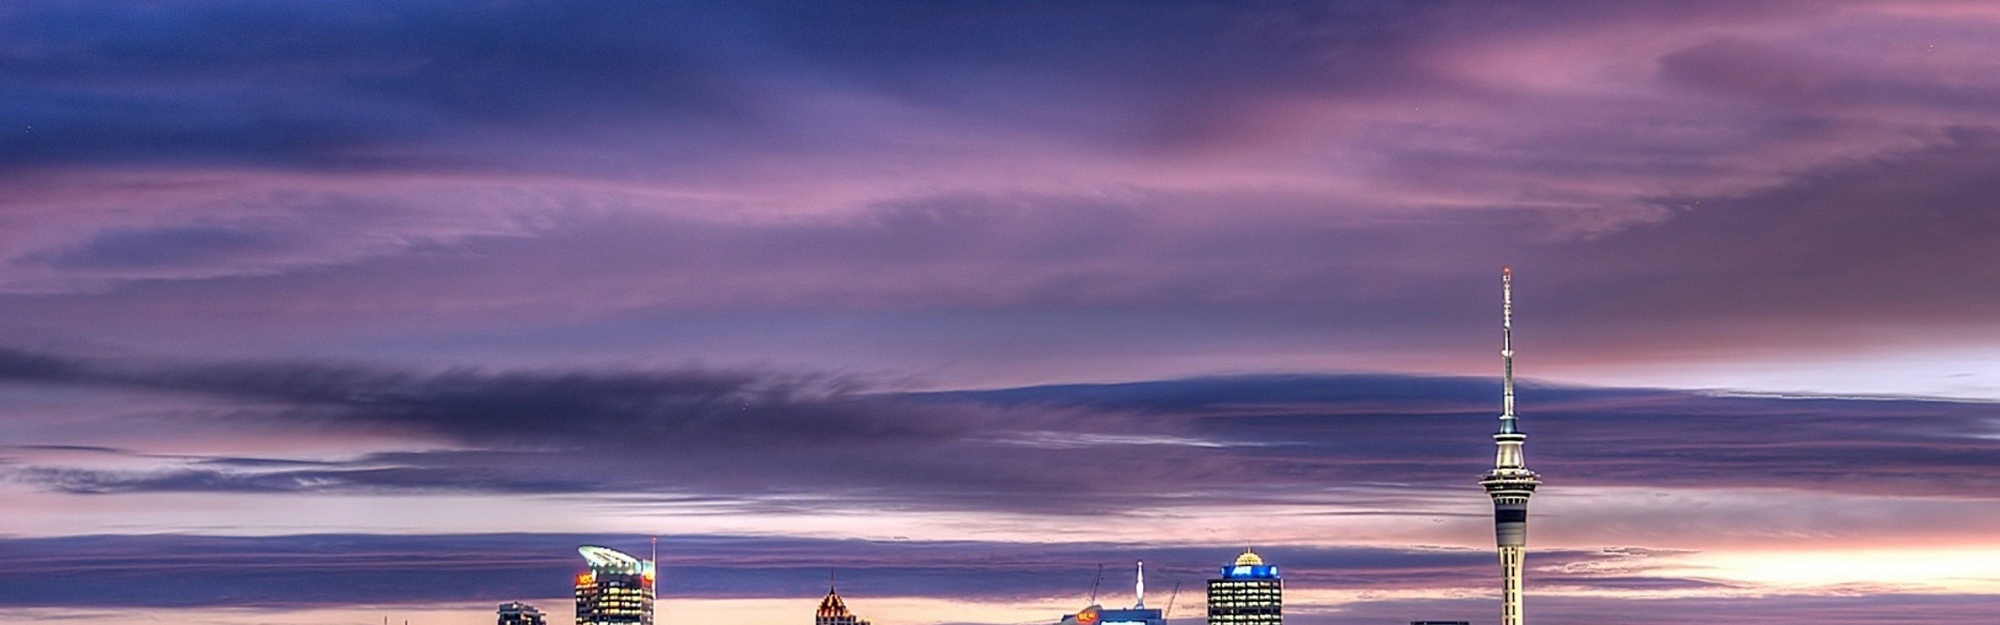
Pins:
x,y
1094,583
1170,601
1507,349
1139,588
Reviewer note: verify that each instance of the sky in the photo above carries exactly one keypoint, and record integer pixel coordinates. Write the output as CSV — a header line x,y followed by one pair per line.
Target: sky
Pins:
x,y
322,313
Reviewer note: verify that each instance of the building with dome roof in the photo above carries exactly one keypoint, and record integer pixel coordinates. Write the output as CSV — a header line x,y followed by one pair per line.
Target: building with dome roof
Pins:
x,y
1248,593
833,611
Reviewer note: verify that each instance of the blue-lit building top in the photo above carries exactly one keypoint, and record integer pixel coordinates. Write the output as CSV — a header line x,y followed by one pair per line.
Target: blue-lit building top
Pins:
x,y
1250,571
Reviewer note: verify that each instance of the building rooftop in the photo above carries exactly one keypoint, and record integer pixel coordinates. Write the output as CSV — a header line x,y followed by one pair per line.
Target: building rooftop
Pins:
x,y
1249,558
832,606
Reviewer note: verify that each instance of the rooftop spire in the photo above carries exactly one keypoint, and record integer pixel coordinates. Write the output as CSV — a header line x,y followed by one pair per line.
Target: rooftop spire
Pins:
x,y
1140,587
832,606
1507,350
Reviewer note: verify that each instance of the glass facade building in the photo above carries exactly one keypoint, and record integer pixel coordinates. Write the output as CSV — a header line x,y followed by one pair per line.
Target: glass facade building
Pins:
x,y
617,590
1248,593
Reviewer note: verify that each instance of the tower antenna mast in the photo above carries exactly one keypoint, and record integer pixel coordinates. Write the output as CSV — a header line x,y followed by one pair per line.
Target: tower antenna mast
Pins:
x,y
1507,350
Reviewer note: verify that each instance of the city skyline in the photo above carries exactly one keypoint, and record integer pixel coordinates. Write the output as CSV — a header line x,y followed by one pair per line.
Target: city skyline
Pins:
x,y
320,312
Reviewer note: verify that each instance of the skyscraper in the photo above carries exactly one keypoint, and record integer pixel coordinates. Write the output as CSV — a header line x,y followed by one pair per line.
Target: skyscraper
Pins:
x,y
833,611
1510,483
617,590
1248,593
518,613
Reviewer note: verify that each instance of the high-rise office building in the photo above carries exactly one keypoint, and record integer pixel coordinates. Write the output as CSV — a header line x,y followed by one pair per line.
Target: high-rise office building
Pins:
x,y
518,613
1249,592
833,611
1510,483
617,590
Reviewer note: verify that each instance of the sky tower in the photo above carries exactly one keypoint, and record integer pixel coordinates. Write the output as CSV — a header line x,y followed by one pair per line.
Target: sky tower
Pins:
x,y
1510,483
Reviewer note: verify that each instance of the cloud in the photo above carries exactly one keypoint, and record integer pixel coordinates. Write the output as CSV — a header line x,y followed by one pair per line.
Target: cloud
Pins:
x,y
1070,449
110,571
1772,609
1166,190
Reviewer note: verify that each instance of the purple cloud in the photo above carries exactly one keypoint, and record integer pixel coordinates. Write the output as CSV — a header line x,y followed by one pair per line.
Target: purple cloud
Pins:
x,y
1240,439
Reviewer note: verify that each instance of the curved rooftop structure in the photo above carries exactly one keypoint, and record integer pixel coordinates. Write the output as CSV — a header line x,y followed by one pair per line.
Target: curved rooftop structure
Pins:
x,y
608,560
833,610
832,606
1249,558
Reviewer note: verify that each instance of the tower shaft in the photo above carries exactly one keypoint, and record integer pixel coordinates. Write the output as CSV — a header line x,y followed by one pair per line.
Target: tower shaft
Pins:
x,y
1510,585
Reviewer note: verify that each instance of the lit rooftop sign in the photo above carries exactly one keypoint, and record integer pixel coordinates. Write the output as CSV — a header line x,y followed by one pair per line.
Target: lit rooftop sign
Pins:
x,y
1249,572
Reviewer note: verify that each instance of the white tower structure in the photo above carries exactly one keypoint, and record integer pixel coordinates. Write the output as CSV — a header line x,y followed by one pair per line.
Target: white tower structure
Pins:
x,y
1510,483
1139,588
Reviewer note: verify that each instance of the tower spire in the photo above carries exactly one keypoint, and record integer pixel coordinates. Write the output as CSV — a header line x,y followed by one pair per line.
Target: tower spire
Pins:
x,y
1139,588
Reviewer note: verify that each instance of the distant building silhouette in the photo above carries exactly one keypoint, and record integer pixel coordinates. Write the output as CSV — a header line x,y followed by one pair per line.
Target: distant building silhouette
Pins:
x,y
518,613
1248,593
617,590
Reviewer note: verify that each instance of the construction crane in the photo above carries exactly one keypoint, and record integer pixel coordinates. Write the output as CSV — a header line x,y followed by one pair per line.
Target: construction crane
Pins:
x,y
1095,582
